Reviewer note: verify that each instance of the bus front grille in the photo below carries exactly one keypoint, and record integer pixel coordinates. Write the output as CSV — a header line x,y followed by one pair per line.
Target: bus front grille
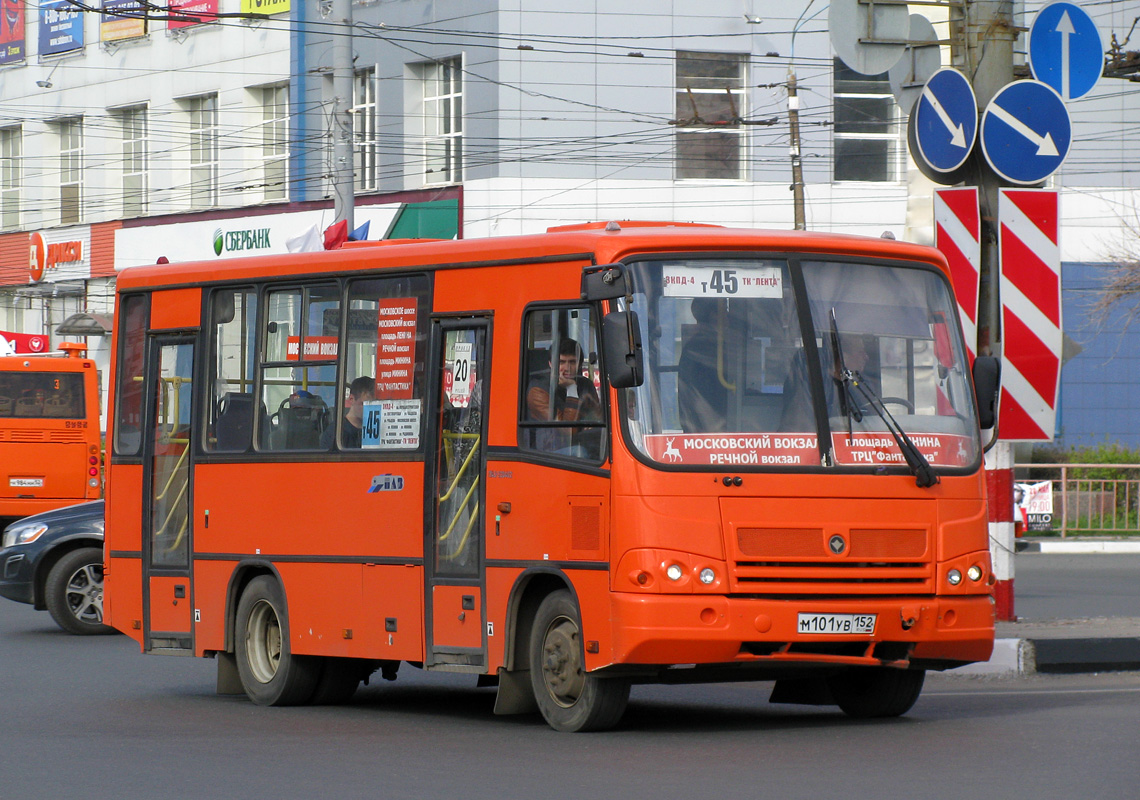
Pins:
x,y
818,561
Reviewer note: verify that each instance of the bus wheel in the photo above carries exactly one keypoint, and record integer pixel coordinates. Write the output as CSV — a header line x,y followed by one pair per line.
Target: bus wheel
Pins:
x,y
74,592
339,680
569,698
270,674
865,692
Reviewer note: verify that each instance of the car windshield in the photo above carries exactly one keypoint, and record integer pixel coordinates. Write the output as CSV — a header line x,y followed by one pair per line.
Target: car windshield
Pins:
x,y
729,381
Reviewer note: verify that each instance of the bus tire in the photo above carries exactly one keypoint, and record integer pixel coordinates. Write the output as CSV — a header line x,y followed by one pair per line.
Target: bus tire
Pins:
x,y
270,674
867,692
569,698
339,680
73,592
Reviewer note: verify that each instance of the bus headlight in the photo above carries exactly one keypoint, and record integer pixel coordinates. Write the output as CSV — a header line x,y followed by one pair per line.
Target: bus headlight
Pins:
x,y
673,572
974,573
954,577
707,576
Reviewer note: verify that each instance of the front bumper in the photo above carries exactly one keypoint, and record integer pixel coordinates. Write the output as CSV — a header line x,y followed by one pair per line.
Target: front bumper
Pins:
x,y
717,629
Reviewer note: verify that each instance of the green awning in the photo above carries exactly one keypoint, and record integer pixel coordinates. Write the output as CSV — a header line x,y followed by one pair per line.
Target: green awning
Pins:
x,y
435,219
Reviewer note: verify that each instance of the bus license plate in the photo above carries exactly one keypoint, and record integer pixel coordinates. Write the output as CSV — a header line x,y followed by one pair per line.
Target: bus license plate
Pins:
x,y
23,483
836,623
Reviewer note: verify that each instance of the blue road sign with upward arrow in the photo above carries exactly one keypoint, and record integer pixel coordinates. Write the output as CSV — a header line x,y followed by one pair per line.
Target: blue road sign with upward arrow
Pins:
x,y
1026,132
946,120
1065,50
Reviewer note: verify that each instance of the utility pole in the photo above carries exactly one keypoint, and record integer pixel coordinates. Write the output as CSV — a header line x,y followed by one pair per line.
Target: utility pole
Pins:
x,y
982,36
342,167
797,161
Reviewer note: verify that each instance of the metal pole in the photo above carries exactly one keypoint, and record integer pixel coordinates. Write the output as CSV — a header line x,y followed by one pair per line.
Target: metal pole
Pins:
x,y
342,111
797,162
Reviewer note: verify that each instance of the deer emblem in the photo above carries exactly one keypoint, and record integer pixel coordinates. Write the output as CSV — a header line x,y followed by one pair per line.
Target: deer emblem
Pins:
x,y
671,452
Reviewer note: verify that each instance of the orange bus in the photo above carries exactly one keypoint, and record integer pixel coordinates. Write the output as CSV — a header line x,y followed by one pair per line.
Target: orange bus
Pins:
x,y
565,463
50,448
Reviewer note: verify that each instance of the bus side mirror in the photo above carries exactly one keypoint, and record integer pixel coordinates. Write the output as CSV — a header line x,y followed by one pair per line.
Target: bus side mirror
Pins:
x,y
621,343
987,385
605,282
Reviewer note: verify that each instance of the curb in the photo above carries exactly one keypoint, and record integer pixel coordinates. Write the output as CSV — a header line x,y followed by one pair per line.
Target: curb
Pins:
x,y
1057,656
1077,546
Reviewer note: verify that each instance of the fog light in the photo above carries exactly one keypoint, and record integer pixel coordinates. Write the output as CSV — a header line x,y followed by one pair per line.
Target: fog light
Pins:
x,y
707,576
673,572
974,573
954,576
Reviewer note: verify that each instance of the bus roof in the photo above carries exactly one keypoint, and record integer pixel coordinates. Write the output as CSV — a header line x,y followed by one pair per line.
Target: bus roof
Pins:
x,y
599,242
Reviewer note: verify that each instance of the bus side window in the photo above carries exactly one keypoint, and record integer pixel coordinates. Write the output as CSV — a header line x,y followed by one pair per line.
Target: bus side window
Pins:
x,y
134,318
233,345
298,367
561,411
385,345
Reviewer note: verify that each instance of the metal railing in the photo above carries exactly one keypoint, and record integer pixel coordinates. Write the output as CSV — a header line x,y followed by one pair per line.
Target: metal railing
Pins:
x,y
1083,505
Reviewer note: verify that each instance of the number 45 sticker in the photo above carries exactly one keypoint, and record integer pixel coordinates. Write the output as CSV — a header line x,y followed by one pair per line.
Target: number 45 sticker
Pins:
x,y
721,281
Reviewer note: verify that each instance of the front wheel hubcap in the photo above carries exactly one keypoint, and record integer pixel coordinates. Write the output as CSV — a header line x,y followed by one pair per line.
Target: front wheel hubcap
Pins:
x,y
562,662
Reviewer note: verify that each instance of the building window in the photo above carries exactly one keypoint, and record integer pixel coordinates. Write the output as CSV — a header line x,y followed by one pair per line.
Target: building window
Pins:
x,y
443,121
710,102
11,176
133,127
868,128
203,150
275,141
70,170
364,130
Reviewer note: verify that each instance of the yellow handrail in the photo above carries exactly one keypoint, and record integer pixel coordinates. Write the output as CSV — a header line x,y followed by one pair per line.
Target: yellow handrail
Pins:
x,y
466,461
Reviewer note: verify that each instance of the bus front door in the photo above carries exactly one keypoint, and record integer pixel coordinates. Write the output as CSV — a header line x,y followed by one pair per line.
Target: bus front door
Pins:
x,y
454,564
166,525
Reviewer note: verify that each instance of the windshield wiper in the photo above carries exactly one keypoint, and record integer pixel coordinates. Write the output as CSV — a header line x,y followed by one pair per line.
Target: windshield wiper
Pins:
x,y
924,474
847,405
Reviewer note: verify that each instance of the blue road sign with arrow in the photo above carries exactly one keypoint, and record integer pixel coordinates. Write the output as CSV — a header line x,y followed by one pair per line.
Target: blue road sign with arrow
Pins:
x,y
946,120
1026,132
1065,50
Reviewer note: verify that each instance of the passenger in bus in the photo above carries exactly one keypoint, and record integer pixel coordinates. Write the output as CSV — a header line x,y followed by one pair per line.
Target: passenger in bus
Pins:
x,y
858,353
360,390
702,387
575,398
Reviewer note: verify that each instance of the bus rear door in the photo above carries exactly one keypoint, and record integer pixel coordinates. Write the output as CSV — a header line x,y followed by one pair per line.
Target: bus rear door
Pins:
x,y
455,570
166,523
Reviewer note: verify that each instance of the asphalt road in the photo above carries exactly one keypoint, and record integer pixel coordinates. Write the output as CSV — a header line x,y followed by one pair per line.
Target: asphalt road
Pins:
x,y
1047,586
91,716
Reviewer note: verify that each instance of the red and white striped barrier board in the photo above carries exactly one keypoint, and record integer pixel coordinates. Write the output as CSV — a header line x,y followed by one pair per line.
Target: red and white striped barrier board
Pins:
x,y
958,233
1030,258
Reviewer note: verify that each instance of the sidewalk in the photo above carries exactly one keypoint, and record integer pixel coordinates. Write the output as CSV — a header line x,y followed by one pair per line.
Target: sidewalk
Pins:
x,y
1098,644
1077,545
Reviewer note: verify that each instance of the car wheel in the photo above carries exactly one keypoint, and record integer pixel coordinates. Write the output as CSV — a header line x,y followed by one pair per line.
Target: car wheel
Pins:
x,y
270,674
74,592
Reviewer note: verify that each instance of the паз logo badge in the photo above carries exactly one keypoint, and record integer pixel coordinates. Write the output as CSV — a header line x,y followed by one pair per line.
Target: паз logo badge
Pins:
x,y
386,483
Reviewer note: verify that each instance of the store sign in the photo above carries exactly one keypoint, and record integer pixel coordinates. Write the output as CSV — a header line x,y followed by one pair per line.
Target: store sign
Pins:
x,y
59,255
191,12
242,241
12,45
264,6
261,235
122,19
61,27
22,343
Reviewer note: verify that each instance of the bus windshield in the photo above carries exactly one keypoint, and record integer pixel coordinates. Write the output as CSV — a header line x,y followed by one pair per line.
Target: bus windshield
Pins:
x,y
730,380
42,395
